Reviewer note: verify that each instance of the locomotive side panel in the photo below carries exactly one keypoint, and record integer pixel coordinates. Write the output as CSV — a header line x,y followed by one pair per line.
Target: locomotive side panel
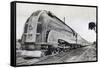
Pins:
x,y
49,24
54,36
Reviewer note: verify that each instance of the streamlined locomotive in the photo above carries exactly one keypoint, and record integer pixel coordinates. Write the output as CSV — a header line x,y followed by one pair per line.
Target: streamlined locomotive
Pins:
x,y
45,32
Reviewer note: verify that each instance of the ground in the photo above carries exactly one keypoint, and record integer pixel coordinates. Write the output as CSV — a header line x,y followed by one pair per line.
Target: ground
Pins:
x,y
87,53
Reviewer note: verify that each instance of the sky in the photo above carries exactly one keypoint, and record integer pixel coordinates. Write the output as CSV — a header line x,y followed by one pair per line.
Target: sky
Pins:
x,y
76,17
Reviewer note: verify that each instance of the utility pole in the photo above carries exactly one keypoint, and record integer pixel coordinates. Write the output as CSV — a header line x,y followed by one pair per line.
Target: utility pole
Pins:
x,y
64,19
76,38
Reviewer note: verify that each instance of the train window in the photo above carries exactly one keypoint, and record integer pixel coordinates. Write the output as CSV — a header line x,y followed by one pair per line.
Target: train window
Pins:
x,y
39,28
25,28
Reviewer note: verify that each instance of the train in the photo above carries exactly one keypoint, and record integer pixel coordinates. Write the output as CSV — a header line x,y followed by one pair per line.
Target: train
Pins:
x,y
45,32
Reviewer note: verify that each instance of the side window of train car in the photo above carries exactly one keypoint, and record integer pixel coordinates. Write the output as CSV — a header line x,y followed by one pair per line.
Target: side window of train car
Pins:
x,y
39,28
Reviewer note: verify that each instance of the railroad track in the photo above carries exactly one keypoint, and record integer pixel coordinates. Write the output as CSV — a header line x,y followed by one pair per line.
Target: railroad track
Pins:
x,y
63,57
58,58
51,58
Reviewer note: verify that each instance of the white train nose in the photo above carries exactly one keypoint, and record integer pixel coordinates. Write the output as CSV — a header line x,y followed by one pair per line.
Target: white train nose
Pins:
x,y
35,53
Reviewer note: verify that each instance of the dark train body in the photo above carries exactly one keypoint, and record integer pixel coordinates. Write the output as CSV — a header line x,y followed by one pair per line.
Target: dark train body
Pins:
x,y
45,32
